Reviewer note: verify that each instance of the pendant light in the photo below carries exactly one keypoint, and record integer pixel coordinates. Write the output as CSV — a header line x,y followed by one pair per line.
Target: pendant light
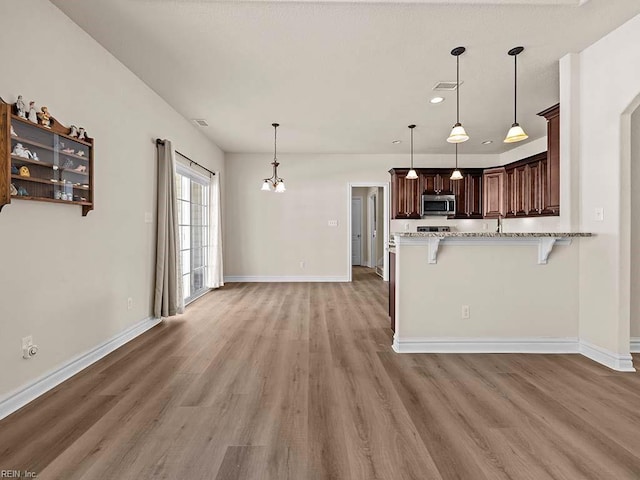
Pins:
x,y
457,174
458,134
412,175
274,181
516,133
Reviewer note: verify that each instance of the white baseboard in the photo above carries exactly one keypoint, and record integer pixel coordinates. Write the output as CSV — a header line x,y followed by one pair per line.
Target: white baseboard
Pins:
x,y
486,345
19,398
282,279
635,344
615,361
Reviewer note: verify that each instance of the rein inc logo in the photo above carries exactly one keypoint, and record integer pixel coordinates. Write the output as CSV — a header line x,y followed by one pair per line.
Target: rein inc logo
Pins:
x,y
18,474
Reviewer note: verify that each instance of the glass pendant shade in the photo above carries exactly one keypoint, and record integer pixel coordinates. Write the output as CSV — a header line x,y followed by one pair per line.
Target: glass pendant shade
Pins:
x,y
456,175
516,134
280,188
458,134
266,186
412,175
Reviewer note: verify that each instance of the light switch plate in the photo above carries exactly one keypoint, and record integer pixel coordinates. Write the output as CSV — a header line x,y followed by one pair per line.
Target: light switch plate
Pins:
x,y
148,217
333,223
599,214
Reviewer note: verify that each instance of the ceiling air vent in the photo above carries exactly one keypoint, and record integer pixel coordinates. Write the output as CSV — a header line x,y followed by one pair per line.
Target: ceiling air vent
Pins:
x,y
200,122
446,86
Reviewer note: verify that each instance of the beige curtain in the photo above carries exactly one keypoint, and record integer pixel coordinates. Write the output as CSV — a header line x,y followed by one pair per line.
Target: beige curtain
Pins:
x,y
215,277
169,300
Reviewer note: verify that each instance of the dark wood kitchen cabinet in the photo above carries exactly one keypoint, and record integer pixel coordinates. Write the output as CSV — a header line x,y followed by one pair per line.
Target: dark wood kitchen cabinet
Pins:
x,y
494,192
405,194
552,195
436,181
526,187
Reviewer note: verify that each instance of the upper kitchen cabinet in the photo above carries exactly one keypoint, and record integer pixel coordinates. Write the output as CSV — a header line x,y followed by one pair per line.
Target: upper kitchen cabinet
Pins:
x,y
468,192
552,195
494,192
436,181
405,194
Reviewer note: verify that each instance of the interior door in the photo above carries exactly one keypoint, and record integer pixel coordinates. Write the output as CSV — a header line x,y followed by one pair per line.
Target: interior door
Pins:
x,y
356,231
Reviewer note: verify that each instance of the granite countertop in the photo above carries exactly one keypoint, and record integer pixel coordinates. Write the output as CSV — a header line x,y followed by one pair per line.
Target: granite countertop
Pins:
x,y
492,234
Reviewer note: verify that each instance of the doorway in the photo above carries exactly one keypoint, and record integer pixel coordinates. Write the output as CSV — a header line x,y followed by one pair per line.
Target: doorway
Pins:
x,y
368,206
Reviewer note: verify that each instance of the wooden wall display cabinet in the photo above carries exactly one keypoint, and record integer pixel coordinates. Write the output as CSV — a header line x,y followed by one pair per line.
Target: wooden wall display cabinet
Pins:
x,y
43,164
406,195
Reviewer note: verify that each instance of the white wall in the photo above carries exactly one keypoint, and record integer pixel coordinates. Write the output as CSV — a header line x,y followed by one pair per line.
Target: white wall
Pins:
x,y
508,293
607,88
635,224
268,234
66,279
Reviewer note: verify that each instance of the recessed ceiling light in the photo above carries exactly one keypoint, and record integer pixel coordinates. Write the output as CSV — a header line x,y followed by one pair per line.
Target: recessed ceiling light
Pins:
x,y
487,142
395,142
437,100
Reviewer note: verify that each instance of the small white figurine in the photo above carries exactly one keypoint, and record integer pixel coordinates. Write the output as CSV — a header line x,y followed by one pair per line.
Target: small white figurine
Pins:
x,y
33,115
74,131
80,153
34,156
82,135
21,108
13,132
20,151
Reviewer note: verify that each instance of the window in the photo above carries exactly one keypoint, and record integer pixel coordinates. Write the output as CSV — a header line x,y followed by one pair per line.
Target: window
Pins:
x,y
193,222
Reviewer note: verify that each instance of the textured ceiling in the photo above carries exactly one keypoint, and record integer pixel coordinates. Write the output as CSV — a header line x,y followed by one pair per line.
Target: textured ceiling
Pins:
x,y
348,77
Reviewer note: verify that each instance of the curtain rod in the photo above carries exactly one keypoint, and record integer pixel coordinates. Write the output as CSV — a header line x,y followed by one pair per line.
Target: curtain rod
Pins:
x,y
161,142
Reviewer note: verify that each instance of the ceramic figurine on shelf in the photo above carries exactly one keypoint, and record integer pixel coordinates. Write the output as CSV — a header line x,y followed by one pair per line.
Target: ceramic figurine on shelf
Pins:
x,y
80,169
13,132
14,170
33,115
20,151
14,190
80,153
82,135
24,172
74,131
69,151
45,117
68,164
23,192
21,108
34,156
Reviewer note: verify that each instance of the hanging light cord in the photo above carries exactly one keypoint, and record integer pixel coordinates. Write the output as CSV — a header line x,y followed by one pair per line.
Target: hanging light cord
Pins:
x,y
412,149
515,89
456,156
458,89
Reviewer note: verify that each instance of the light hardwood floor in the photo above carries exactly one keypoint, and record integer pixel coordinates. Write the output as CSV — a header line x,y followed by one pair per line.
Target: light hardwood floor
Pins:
x,y
298,381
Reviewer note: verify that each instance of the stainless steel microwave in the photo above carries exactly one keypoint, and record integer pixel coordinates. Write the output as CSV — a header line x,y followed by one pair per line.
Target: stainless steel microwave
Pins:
x,y
438,205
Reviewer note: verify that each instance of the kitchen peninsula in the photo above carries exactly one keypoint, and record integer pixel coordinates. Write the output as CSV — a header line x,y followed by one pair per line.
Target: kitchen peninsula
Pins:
x,y
485,292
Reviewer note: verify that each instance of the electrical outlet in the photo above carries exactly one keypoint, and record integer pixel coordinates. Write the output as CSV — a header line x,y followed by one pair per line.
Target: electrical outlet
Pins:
x,y
485,226
599,214
302,264
406,227
129,303
465,312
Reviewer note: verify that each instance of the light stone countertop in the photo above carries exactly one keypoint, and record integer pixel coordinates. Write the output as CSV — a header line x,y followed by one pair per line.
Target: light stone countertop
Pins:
x,y
492,234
